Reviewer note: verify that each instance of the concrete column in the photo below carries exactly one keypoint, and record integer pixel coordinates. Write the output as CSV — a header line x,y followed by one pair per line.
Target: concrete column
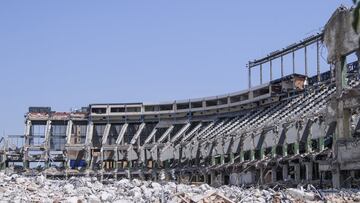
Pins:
x,y
282,66
261,178
249,77
273,151
343,115
231,158
27,132
68,131
252,155
306,64
25,159
271,72
284,152
309,171
297,172
116,157
308,145
318,60
221,175
102,159
273,174
336,178
212,177
241,156
293,61
261,78
285,171
321,144
205,178
213,161
296,148
222,159
261,153
88,143
47,143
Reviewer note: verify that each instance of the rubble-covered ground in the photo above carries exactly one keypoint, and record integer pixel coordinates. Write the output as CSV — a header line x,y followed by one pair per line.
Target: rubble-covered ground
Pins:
x,y
17,188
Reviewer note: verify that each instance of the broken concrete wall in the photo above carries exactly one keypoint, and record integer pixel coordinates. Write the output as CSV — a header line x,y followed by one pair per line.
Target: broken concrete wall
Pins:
x,y
339,36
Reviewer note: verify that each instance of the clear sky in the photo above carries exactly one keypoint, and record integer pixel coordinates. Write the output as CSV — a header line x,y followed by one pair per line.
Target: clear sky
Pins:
x,y
68,54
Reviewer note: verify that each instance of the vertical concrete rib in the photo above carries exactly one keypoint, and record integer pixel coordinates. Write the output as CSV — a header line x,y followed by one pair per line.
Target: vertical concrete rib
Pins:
x,y
166,133
318,60
271,71
68,131
282,65
148,139
47,142
191,132
306,61
293,61
181,132
89,133
106,133
88,142
137,134
249,77
122,133
261,78
27,143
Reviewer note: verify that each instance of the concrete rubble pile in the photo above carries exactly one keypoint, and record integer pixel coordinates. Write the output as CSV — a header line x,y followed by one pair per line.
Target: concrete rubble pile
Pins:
x,y
17,188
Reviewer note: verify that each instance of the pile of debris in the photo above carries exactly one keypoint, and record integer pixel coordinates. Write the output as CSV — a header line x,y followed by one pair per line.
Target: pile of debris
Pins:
x,y
17,188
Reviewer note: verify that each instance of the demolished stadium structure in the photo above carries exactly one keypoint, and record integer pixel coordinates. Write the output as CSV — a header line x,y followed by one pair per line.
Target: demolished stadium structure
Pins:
x,y
296,128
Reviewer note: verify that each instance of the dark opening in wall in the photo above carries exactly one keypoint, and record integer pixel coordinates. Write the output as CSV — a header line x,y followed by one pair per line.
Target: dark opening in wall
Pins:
x,y
201,178
290,149
315,145
196,104
279,150
247,155
226,179
98,131
291,172
327,175
258,154
151,108
357,174
279,173
268,151
302,147
117,109
226,158
261,92
98,110
328,142
222,101
130,132
217,160
302,172
211,103
182,106
58,135
166,107
37,134
315,173
238,98
133,109
78,132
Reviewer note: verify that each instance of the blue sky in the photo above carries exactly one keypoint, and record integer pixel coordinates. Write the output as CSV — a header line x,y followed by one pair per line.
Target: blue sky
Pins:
x,y
67,54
